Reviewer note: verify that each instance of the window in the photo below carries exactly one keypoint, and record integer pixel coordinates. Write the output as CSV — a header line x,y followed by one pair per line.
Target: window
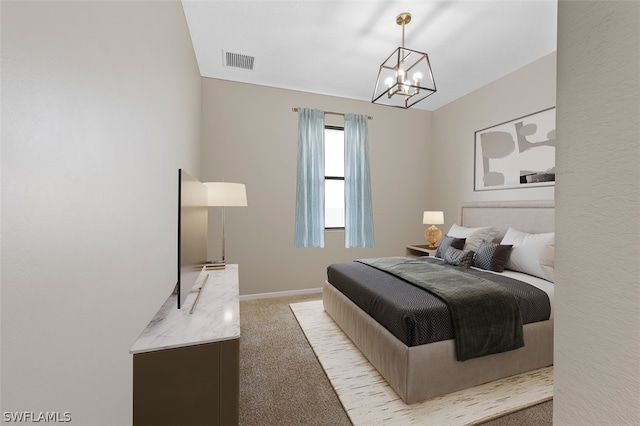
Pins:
x,y
333,177
342,153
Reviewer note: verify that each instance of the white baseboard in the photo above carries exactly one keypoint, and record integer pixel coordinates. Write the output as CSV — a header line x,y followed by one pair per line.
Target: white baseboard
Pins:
x,y
280,294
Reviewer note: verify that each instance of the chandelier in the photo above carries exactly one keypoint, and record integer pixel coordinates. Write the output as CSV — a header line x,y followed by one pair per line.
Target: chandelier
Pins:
x,y
405,78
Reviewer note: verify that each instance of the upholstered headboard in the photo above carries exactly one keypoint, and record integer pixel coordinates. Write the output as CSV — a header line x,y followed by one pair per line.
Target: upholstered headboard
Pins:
x,y
527,216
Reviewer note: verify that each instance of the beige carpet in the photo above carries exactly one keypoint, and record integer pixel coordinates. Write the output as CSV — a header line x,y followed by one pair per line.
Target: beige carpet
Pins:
x,y
281,381
369,400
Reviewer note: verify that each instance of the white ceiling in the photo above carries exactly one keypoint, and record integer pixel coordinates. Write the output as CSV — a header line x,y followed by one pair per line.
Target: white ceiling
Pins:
x,y
336,47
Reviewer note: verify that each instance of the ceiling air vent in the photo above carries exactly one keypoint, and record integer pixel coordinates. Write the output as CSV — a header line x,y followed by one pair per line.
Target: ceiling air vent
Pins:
x,y
238,60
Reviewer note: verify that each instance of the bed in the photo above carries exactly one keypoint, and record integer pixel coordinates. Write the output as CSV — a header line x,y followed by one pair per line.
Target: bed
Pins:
x,y
428,370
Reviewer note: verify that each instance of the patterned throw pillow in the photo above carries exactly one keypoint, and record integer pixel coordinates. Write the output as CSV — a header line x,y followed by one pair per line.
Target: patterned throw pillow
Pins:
x,y
447,242
458,257
492,256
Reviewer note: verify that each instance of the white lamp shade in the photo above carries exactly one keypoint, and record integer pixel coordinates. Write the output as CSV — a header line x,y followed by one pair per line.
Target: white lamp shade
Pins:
x,y
433,218
227,194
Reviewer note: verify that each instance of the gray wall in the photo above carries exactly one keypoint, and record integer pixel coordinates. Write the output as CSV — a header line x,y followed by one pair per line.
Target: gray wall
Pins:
x,y
522,92
250,136
597,333
100,106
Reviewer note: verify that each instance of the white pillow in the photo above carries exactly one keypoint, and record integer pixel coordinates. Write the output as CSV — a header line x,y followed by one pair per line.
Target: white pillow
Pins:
x,y
474,236
533,254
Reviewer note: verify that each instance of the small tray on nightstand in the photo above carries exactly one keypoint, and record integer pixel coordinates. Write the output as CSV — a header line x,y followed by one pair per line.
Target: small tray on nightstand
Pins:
x,y
417,250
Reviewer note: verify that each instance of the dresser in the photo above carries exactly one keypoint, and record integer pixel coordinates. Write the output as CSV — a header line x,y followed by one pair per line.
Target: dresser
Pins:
x,y
186,365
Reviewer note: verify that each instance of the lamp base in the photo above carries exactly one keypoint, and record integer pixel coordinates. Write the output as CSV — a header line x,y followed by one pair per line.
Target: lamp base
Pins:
x,y
432,235
215,264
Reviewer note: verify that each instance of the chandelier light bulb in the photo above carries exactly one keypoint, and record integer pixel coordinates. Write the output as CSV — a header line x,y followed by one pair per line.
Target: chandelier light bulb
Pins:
x,y
417,77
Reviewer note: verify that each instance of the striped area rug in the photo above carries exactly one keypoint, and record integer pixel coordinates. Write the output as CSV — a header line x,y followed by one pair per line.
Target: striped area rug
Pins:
x,y
369,400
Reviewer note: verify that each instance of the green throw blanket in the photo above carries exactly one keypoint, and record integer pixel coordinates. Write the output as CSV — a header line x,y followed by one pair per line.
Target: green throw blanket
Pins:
x,y
486,317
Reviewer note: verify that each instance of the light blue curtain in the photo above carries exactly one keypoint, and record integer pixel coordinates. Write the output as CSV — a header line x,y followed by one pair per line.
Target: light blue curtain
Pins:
x,y
310,186
358,223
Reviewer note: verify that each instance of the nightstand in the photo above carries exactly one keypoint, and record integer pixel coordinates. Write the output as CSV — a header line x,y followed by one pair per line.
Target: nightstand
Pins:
x,y
417,250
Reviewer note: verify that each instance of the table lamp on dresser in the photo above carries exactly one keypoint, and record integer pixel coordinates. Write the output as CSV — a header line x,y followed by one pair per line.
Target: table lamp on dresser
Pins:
x,y
225,194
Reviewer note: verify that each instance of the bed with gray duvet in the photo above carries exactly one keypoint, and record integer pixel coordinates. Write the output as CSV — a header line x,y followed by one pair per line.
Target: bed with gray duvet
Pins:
x,y
411,332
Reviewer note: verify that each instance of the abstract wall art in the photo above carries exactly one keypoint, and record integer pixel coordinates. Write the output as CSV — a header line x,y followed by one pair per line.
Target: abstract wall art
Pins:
x,y
520,153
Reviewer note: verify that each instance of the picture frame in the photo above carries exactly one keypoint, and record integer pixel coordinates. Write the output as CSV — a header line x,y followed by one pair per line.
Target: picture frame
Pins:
x,y
519,153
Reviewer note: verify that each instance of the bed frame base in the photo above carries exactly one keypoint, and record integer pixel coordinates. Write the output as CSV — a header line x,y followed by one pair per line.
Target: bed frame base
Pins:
x,y
422,372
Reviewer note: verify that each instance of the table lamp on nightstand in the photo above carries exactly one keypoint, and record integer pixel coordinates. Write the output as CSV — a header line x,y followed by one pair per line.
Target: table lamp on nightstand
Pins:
x,y
433,233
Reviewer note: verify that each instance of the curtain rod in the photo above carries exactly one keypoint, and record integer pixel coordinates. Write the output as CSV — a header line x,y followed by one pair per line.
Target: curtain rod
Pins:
x,y
332,113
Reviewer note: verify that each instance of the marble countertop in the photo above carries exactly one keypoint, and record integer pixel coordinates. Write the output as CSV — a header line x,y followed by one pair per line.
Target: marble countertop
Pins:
x,y
215,319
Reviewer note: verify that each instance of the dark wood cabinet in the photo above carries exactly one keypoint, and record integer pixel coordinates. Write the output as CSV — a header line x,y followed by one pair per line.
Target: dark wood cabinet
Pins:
x,y
186,367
